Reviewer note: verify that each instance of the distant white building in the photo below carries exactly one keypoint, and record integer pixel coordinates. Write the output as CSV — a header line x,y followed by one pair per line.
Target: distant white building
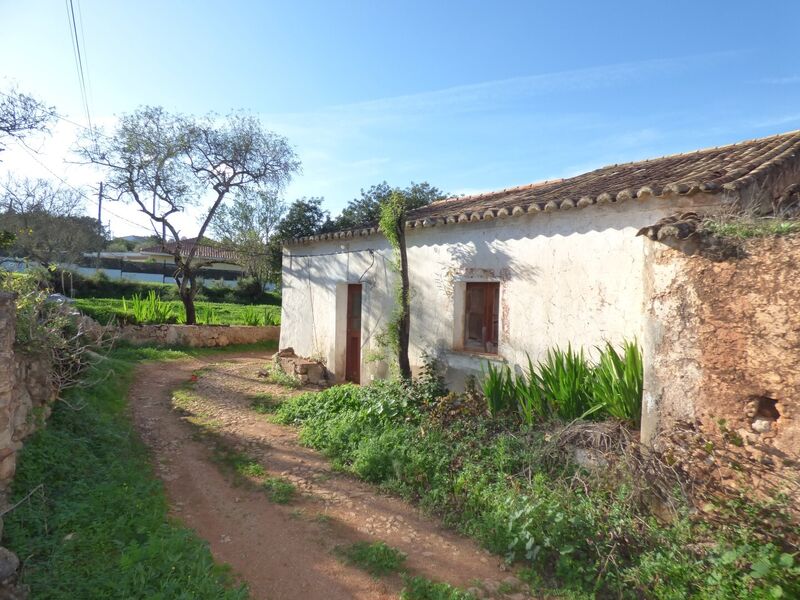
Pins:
x,y
509,274
156,264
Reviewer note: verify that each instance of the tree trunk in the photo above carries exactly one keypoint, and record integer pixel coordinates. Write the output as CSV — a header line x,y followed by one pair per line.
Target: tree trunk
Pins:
x,y
188,307
187,289
405,319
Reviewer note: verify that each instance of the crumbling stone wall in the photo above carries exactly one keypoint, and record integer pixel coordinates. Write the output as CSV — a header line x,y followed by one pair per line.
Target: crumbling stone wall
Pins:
x,y
26,395
26,392
722,347
307,371
197,336
7,381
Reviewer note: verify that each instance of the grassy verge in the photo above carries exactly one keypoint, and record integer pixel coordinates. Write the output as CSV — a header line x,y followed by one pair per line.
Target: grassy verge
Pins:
x,y
100,529
217,313
574,532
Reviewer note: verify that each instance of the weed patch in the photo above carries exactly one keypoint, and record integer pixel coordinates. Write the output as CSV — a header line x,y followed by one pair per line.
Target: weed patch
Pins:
x,y
745,227
377,558
519,493
279,490
278,376
420,588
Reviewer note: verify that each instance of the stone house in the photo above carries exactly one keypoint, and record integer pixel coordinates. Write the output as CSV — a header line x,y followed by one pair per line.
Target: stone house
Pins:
x,y
504,275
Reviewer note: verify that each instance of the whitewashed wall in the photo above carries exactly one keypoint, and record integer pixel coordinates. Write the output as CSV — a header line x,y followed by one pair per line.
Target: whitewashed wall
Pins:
x,y
565,277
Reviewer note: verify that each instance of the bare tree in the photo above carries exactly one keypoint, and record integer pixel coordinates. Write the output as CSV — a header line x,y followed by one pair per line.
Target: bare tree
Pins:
x,y
46,223
22,115
164,163
27,195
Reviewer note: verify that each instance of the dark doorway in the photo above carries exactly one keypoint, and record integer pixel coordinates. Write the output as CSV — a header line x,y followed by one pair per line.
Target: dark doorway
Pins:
x,y
353,348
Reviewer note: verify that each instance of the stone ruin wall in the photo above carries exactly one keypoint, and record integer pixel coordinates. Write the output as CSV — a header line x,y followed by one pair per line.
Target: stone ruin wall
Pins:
x,y
197,336
26,393
722,349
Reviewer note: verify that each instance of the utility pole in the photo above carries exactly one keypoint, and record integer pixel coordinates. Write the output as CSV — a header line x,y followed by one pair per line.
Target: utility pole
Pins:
x,y
99,217
100,206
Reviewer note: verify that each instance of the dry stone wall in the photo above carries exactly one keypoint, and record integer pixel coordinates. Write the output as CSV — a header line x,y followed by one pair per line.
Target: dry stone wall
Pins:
x,y
722,348
197,336
26,392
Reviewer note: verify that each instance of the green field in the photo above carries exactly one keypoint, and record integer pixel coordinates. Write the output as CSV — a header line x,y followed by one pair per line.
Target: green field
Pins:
x,y
213,313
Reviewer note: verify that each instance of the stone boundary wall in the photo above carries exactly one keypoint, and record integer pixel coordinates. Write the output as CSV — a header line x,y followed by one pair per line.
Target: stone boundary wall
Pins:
x,y
722,348
197,336
26,392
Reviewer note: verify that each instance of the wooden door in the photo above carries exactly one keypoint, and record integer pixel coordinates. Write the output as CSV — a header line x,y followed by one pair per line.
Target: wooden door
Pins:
x,y
353,345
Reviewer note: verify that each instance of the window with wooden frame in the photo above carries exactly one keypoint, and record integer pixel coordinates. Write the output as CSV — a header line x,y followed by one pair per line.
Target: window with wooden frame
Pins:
x,y
482,318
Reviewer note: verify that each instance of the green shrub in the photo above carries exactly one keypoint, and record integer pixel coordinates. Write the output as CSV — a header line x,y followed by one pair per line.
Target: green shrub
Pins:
x,y
502,485
618,380
381,457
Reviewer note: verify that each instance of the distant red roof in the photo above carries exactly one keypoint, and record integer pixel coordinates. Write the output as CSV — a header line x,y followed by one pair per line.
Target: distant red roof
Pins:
x,y
202,251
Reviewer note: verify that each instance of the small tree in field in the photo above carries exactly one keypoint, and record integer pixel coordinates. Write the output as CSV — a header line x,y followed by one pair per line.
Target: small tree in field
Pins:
x,y
164,163
247,226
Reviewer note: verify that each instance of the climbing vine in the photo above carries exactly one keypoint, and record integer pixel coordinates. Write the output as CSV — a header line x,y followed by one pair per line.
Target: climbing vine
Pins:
x,y
392,225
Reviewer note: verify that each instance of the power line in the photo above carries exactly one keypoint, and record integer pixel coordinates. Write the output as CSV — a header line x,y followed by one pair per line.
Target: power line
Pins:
x,y
78,55
78,191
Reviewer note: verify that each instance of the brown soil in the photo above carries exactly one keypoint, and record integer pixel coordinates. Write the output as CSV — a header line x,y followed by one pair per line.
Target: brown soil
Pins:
x,y
285,551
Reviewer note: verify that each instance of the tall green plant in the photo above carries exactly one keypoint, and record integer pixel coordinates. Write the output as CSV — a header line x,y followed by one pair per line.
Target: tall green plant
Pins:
x,y
150,309
498,388
618,381
566,382
253,317
531,400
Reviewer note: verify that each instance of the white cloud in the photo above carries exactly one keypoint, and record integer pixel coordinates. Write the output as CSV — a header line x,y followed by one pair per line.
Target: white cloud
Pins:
x,y
788,80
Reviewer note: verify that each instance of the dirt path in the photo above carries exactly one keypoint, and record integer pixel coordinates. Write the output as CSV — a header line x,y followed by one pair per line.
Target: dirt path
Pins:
x,y
285,551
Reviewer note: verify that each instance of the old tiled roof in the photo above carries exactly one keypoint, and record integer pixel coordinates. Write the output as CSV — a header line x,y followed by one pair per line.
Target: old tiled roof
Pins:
x,y
203,251
724,168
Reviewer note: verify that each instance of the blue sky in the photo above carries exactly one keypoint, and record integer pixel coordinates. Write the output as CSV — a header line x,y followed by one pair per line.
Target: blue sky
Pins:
x,y
469,96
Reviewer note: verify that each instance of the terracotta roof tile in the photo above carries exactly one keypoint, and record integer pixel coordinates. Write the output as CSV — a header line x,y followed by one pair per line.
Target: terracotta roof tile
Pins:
x,y
203,251
712,170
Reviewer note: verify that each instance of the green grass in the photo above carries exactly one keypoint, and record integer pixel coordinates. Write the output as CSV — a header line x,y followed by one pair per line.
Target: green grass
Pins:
x,y
746,228
104,309
101,528
264,403
420,588
127,351
279,490
377,559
